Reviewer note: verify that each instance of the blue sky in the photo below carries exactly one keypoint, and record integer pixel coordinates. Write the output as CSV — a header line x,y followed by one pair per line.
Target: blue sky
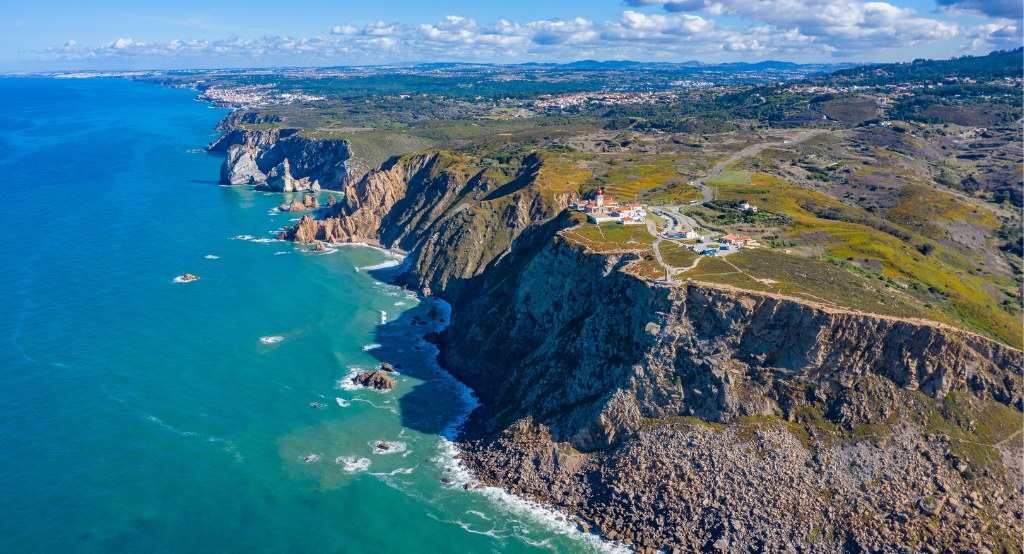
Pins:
x,y
118,34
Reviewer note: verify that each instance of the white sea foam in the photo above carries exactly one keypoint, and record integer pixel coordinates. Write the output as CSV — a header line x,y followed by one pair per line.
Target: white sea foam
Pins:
x,y
369,347
211,257
383,317
399,303
281,253
392,447
345,383
262,240
182,279
273,339
382,265
311,458
351,464
342,402
242,237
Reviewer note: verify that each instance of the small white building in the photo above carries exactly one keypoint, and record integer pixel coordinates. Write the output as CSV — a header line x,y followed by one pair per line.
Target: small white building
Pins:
x,y
745,207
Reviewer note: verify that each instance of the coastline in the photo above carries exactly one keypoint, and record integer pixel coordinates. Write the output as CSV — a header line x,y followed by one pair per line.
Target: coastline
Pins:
x,y
457,474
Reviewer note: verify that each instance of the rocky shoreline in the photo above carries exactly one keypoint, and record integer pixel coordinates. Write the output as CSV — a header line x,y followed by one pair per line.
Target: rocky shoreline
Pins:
x,y
690,417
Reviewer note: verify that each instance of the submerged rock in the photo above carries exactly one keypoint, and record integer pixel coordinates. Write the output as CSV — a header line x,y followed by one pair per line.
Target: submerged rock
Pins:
x,y
379,380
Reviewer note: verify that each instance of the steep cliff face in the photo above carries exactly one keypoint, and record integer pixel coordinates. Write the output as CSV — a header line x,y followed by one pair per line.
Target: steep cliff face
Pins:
x,y
591,351
451,215
711,419
280,160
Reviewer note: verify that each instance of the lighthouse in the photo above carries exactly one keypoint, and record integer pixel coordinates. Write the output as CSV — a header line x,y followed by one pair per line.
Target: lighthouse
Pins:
x,y
600,197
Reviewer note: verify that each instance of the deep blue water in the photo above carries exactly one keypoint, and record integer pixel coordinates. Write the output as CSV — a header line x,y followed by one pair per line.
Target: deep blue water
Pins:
x,y
140,414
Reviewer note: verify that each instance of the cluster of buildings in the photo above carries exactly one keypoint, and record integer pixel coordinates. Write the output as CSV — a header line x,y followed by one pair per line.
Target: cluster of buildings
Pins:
x,y
601,210
251,96
564,101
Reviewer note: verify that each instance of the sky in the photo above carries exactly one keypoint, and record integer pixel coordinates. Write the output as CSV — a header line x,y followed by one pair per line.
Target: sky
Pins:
x,y
47,35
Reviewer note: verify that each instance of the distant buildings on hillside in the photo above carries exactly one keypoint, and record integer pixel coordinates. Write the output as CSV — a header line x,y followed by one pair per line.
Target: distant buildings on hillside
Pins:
x,y
601,209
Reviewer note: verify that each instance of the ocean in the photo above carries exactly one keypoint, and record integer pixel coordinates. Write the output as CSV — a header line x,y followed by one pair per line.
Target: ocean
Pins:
x,y
144,414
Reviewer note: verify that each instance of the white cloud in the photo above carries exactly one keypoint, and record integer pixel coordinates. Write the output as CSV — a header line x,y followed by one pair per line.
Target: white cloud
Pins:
x,y
656,29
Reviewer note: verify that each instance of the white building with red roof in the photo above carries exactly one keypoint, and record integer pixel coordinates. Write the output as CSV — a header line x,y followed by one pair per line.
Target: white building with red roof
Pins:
x,y
602,209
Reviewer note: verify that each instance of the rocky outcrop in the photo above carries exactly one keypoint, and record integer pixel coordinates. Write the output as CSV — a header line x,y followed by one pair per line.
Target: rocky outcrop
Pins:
x,y
240,168
379,380
451,213
280,179
308,202
280,160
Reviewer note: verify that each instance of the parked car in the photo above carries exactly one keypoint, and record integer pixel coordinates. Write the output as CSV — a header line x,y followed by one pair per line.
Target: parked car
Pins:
x,y
723,247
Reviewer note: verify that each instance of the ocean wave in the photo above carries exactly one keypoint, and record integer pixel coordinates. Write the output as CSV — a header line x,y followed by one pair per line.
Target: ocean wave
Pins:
x,y
382,265
226,445
351,464
242,237
281,253
383,317
369,347
342,402
272,339
262,241
211,257
311,458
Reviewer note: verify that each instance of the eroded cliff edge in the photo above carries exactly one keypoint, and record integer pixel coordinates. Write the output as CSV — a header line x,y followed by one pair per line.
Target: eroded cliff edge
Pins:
x,y
693,417
279,159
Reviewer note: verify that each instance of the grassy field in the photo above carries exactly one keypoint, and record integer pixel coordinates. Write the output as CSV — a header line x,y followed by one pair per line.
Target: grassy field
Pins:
x,y
730,177
677,256
610,237
868,243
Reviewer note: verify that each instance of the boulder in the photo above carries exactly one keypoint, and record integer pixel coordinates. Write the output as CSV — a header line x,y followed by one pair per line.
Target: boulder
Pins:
x,y
379,380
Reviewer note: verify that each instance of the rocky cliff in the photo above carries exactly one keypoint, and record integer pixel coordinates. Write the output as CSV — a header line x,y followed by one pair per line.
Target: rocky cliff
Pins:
x,y
281,160
704,418
451,213
692,417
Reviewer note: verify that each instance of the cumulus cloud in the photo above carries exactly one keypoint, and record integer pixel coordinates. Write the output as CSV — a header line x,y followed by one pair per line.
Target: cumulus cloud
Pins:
x,y
849,25
653,29
1005,9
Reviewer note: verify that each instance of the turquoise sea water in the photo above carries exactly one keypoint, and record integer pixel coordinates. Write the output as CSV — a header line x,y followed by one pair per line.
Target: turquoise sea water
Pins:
x,y
140,414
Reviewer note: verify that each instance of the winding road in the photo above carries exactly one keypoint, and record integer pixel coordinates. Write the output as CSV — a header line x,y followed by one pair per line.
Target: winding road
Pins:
x,y
708,195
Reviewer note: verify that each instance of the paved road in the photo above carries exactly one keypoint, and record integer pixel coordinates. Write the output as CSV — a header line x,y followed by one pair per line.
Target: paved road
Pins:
x,y
709,195
677,219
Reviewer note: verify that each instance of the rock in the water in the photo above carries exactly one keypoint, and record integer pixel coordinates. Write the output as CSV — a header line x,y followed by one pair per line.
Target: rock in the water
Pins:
x,y
387,367
296,206
379,380
280,179
320,247
331,200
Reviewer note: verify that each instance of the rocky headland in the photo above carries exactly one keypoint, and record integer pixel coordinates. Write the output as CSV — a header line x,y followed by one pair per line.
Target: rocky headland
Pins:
x,y
280,159
691,417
